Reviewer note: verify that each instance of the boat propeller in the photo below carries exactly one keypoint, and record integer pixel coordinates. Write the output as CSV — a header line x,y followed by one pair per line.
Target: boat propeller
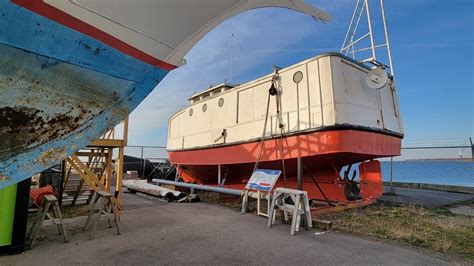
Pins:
x,y
352,188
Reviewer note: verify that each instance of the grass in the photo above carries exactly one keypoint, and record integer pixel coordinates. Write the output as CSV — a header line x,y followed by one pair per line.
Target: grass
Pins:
x,y
434,229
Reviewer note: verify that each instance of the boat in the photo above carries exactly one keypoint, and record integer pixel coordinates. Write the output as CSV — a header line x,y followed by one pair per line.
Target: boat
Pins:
x,y
322,113
71,70
322,122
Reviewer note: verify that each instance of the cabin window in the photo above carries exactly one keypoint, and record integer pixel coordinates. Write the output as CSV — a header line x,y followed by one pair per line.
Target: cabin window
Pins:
x,y
191,112
221,102
204,107
298,77
205,96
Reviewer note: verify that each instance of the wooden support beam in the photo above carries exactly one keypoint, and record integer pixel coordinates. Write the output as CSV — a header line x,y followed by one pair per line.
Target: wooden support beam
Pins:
x,y
90,177
109,143
119,175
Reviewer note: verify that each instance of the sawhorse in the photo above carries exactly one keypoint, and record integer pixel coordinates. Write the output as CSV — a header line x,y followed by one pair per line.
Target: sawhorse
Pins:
x,y
39,220
298,209
101,208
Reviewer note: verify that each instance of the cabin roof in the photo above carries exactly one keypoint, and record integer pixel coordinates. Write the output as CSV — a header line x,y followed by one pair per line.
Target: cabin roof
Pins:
x,y
212,89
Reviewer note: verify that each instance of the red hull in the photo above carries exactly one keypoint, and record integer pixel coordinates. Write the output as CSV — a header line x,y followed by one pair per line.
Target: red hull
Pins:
x,y
323,154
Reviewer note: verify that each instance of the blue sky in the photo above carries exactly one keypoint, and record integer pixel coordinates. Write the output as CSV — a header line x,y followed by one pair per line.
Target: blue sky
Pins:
x,y
432,47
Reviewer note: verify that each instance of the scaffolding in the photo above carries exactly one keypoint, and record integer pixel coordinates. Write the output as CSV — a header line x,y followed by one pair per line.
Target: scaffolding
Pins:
x,y
97,167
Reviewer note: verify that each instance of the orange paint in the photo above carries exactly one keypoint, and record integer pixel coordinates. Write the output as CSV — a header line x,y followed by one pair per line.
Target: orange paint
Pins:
x,y
371,186
323,155
303,145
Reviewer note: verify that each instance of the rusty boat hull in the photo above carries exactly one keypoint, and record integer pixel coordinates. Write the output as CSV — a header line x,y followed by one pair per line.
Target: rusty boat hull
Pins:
x,y
59,90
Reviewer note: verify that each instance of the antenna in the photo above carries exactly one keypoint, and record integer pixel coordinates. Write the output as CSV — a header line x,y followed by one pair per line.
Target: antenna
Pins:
x,y
354,45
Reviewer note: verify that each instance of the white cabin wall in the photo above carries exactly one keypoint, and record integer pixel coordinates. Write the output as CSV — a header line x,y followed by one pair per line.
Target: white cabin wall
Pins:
x,y
295,99
355,102
391,117
315,94
332,91
303,100
327,94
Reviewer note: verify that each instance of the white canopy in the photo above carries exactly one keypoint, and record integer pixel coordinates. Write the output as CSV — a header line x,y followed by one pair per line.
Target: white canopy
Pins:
x,y
167,29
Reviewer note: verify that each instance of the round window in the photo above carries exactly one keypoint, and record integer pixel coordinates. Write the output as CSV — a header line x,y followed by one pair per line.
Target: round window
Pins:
x,y
191,112
298,77
204,107
221,102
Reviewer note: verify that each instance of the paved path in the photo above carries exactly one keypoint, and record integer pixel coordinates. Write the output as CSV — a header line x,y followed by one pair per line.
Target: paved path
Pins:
x,y
425,197
155,232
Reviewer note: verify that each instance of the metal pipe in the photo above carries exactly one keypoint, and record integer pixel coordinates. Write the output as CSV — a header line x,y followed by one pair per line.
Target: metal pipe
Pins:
x,y
143,186
143,163
472,148
370,30
350,26
392,71
391,176
299,175
229,191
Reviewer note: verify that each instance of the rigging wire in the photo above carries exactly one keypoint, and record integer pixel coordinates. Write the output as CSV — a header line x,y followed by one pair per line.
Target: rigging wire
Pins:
x,y
230,66
273,91
263,133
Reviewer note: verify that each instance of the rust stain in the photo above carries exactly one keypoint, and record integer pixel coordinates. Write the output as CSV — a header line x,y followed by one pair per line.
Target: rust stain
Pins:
x,y
4,178
24,128
51,155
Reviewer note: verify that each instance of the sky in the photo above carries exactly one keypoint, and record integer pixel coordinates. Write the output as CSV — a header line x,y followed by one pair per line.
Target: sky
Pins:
x,y
432,44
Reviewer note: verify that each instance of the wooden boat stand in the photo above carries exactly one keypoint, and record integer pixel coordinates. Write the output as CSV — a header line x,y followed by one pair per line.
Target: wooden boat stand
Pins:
x,y
298,209
39,221
101,207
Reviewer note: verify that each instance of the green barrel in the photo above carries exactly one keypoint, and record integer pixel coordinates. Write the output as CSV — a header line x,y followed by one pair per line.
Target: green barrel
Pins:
x,y
7,213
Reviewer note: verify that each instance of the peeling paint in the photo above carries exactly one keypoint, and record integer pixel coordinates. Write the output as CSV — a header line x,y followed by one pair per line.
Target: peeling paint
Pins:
x,y
51,155
59,90
4,178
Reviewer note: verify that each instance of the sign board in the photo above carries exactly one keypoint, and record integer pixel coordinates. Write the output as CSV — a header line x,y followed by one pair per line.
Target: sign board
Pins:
x,y
263,179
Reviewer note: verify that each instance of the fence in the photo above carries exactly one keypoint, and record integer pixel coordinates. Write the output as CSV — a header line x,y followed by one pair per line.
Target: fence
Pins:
x,y
149,161
438,164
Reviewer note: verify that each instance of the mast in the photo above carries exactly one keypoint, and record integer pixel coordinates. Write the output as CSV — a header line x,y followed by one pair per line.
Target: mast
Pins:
x,y
355,45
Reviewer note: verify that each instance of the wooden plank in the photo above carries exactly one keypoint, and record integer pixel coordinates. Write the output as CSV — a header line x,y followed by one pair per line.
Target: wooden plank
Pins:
x,y
107,143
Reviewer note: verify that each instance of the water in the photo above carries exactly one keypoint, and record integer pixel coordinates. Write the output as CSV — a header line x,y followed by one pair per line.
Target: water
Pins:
x,y
446,172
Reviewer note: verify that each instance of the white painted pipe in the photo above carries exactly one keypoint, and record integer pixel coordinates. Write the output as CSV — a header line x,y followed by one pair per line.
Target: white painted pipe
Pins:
x,y
143,186
229,191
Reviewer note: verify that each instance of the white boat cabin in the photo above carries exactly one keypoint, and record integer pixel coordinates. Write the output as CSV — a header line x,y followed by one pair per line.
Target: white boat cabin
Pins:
x,y
327,91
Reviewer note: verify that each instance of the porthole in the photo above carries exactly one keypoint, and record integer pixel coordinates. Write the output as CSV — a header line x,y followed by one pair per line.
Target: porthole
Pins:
x,y
221,102
191,112
298,77
204,107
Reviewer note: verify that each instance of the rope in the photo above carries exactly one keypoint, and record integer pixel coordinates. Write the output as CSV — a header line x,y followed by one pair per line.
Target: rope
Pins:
x,y
263,135
281,126
271,92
